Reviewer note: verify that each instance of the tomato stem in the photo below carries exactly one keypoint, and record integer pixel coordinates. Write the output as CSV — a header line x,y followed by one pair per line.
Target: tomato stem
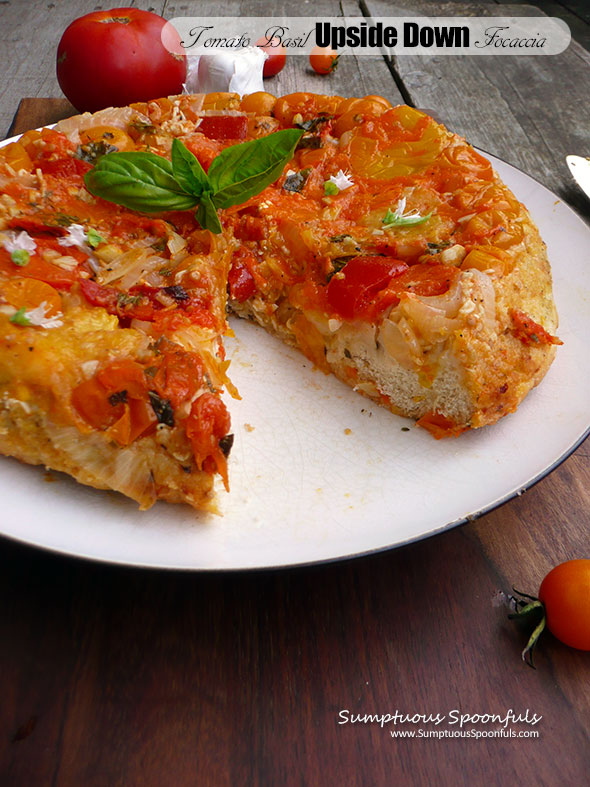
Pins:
x,y
528,612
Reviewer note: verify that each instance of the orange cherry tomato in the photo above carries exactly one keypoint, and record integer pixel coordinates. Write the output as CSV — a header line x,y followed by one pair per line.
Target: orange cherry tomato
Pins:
x,y
17,157
276,56
30,293
260,103
108,134
323,59
565,592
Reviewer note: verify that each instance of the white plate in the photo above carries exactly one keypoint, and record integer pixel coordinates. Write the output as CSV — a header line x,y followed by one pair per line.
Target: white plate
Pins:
x,y
320,473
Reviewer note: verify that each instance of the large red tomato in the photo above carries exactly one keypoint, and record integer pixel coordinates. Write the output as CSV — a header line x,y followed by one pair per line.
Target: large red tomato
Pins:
x,y
113,58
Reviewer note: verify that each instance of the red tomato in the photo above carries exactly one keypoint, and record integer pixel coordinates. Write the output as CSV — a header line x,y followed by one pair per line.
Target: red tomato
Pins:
x,y
565,592
277,56
323,59
64,167
207,424
116,57
530,332
178,377
241,282
426,279
224,127
352,291
135,305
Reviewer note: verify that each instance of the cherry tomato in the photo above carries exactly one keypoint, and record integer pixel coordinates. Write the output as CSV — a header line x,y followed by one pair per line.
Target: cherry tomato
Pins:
x,y
261,103
277,56
115,58
323,59
565,592
352,290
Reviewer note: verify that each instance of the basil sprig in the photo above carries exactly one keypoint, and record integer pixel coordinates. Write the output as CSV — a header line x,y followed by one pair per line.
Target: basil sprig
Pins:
x,y
149,183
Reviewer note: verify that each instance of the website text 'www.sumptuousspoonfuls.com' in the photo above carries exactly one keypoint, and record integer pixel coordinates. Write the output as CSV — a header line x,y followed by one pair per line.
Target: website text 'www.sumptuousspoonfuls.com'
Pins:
x,y
453,724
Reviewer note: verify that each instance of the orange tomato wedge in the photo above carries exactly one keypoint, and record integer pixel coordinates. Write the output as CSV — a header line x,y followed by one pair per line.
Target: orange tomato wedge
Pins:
x,y
30,293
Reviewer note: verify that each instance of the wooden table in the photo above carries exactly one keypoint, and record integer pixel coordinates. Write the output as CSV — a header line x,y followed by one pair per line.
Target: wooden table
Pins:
x,y
113,676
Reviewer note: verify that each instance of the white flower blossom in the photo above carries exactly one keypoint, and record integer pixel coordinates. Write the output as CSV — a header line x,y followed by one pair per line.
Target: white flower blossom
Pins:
x,y
38,316
343,180
20,242
76,237
399,217
400,211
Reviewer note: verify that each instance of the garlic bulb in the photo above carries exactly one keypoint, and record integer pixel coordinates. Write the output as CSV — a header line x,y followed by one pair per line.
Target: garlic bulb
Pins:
x,y
237,71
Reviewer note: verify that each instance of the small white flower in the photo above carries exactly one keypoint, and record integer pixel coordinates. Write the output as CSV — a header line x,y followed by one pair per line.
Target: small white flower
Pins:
x,y
343,180
400,211
399,217
20,242
38,316
76,237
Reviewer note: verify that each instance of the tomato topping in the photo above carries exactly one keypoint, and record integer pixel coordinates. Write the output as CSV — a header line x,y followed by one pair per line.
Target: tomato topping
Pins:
x,y
206,426
124,375
170,321
178,377
241,282
115,401
125,306
224,127
92,402
31,293
38,268
530,332
426,279
64,167
350,292
440,426
35,225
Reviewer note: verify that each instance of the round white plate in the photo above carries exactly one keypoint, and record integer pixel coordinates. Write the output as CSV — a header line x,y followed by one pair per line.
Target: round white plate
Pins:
x,y
320,473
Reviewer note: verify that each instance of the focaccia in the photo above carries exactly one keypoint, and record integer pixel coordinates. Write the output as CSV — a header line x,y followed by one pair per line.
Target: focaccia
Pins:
x,y
388,251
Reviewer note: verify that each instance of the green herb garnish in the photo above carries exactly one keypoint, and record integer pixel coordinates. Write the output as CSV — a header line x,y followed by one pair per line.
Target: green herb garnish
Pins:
x,y
20,257
20,318
151,184
398,219
93,151
296,181
162,408
93,238
330,188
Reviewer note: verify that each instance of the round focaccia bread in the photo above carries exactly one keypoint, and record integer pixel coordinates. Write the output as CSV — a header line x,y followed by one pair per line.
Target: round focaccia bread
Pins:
x,y
388,251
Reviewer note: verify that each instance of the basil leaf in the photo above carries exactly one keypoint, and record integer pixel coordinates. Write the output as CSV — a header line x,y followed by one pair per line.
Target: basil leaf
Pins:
x,y
187,169
140,181
242,171
206,214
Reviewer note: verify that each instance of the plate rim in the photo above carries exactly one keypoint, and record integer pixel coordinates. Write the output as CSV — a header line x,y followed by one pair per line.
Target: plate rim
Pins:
x,y
461,521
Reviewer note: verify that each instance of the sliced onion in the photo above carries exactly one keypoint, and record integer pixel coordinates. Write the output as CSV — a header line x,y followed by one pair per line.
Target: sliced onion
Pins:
x,y
131,266
119,117
449,302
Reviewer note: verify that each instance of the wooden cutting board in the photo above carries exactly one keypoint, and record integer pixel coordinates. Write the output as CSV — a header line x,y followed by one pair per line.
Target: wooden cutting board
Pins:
x,y
35,112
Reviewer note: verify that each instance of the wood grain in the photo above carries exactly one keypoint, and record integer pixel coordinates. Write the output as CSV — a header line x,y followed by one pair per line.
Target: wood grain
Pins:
x,y
126,677
530,111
